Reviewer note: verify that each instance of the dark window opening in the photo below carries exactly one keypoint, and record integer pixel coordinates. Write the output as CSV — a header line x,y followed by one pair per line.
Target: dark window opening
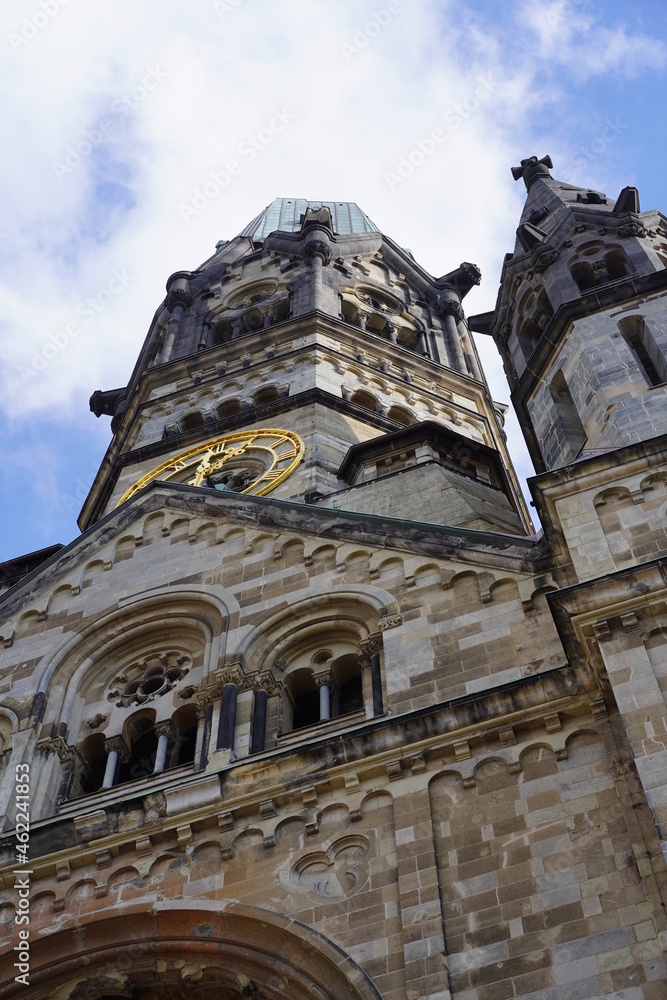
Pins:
x,y
647,354
351,698
573,429
142,759
186,751
306,709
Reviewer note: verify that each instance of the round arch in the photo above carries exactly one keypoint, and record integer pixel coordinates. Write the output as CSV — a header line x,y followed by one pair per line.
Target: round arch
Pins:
x,y
211,949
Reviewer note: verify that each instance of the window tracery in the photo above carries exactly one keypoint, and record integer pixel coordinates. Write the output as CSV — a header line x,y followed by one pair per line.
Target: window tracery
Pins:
x,y
149,678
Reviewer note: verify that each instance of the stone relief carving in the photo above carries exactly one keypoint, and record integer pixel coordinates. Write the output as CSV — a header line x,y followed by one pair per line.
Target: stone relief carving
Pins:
x,y
336,870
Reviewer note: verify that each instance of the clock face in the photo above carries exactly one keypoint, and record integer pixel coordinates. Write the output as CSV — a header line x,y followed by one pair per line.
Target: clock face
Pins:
x,y
253,462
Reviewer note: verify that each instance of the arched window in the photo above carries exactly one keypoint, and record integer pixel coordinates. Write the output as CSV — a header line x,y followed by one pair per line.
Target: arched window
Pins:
x,y
646,353
617,264
572,428
93,765
583,274
144,748
306,698
364,398
229,408
401,415
267,394
328,687
192,421
141,762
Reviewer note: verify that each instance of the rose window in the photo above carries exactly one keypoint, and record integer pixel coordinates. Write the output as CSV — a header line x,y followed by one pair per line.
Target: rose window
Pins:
x,y
149,677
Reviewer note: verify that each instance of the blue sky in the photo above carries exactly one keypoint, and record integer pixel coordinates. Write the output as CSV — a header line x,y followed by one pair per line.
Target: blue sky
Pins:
x,y
119,113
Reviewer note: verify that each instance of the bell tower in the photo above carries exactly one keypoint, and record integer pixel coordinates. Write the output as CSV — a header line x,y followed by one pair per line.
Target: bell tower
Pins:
x,y
313,358
307,710
579,319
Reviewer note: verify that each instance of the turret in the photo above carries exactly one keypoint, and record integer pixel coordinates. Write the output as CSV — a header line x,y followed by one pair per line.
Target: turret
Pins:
x,y
579,319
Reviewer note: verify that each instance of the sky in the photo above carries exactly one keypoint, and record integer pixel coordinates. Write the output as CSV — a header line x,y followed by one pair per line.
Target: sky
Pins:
x,y
120,120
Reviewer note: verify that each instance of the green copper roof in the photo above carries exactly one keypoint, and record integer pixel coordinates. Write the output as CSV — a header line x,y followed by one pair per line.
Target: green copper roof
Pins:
x,y
284,214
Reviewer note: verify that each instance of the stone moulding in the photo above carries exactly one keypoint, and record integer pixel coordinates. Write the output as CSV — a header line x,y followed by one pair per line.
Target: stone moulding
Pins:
x,y
227,943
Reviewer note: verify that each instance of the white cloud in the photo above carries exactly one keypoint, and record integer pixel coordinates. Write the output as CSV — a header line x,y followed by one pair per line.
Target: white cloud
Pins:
x,y
182,88
571,35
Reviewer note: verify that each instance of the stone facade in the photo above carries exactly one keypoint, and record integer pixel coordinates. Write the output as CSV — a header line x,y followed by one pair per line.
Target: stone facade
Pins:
x,y
363,734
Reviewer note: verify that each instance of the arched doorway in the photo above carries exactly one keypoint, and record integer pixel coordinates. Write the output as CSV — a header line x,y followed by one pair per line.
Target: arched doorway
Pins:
x,y
176,949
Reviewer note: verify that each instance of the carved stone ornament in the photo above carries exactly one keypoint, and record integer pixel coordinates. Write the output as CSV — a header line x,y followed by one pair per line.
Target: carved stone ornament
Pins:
x,y
317,248
209,695
96,721
232,674
390,621
503,334
372,644
632,229
166,729
155,807
265,682
540,316
178,297
335,871
546,259
450,307
116,743
57,745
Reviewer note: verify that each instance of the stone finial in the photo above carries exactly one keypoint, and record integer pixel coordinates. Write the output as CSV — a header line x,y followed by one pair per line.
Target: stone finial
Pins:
x,y
531,169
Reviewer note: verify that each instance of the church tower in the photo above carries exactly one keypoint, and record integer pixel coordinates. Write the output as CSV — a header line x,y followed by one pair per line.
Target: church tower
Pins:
x,y
312,320
308,710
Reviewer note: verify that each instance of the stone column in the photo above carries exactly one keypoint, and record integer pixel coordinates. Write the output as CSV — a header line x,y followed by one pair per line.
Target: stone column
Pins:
x,y
469,351
114,749
205,334
422,343
264,686
178,300
70,760
318,252
370,659
205,726
259,721
228,681
166,734
227,718
324,684
451,311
